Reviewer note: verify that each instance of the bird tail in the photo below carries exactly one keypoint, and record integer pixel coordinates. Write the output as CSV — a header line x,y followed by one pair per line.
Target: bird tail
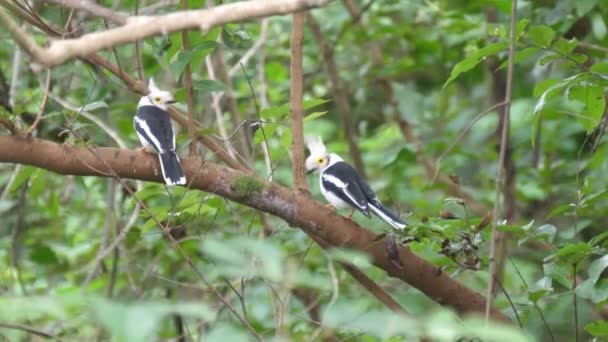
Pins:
x,y
171,168
386,215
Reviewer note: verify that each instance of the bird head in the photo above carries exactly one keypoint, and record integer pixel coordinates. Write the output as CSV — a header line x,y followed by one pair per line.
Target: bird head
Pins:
x,y
318,158
159,98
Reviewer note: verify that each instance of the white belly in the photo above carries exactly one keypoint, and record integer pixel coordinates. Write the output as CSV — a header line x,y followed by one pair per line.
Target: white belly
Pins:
x,y
334,200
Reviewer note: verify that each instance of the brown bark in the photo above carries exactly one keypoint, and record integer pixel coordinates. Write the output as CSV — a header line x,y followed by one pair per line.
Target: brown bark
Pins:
x,y
508,190
189,91
295,207
297,110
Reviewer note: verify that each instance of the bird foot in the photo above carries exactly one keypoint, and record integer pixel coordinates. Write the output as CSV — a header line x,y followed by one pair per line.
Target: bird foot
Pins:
x,y
350,216
330,207
144,150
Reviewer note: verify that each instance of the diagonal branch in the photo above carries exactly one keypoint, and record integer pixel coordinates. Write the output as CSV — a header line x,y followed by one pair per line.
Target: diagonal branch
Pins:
x,y
140,27
295,207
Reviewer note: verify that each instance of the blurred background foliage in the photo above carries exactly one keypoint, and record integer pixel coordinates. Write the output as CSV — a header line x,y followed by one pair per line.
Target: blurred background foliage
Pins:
x,y
430,68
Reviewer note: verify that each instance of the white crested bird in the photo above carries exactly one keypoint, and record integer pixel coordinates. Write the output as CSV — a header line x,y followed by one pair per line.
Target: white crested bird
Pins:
x,y
342,185
155,131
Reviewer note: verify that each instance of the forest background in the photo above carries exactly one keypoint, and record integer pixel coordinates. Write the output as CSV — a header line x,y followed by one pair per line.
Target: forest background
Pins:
x,y
481,122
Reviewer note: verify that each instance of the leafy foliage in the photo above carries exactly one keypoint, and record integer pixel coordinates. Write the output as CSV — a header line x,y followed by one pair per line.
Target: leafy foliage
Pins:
x,y
442,62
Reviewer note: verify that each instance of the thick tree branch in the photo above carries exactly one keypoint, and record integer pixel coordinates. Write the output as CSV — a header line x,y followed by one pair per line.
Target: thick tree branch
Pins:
x,y
297,83
140,27
295,207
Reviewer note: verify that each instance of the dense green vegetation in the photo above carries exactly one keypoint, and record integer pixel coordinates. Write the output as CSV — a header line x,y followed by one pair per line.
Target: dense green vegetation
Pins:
x,y
411,92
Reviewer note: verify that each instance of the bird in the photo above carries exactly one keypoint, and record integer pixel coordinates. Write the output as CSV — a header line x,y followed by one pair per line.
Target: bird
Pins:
x,y
155,131
343,187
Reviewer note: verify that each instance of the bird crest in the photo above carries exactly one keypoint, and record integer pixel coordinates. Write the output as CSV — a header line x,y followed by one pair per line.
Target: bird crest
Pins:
x,y
315,146
152,86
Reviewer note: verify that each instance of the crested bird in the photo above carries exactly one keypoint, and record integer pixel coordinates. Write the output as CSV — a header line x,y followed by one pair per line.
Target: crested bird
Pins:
x,y
343,187
155,131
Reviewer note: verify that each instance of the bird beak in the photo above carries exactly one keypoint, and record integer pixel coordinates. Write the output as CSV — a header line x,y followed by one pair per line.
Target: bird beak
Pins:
x,y
309,171
171,101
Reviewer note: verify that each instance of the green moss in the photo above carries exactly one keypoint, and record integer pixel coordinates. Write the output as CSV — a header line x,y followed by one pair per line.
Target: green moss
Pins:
x,y
247,185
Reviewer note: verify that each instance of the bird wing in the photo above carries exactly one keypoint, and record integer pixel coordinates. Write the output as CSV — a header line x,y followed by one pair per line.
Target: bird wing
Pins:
x,y
344,181
154,124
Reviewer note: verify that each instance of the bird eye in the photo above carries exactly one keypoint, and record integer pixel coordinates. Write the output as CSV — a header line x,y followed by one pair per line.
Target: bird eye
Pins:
x,y
157,99
320,160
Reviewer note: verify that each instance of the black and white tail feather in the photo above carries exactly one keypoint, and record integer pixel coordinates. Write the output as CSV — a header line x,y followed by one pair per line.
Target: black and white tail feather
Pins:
x,y
342,185
155,131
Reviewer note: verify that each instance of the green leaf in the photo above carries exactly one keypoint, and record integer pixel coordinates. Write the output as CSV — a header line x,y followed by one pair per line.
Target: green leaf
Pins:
x,y
24,174
548,58
558,272
600,68
598,26
520,27
540,289
472,61
543,86
541,35
314,115
207,86
597,267
553,90
497,30
520,56
182,59
92,106
595,292
593,99
564,46
597,328
584,6
43,254
138,322
573,252
186,56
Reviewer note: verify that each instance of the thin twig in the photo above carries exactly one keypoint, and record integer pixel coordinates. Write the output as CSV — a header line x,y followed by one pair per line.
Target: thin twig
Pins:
x,y
574,304
29,329
501,158
215,104
461,135
252,50
138,59
110,222
45,97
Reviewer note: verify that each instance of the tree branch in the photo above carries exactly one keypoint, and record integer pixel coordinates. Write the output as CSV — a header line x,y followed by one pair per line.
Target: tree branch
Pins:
x,y
501,161
295,207
140,27
189,91
297,124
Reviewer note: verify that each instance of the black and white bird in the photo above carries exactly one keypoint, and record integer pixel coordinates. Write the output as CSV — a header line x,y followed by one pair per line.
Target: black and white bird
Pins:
x,y
155,131
342,185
